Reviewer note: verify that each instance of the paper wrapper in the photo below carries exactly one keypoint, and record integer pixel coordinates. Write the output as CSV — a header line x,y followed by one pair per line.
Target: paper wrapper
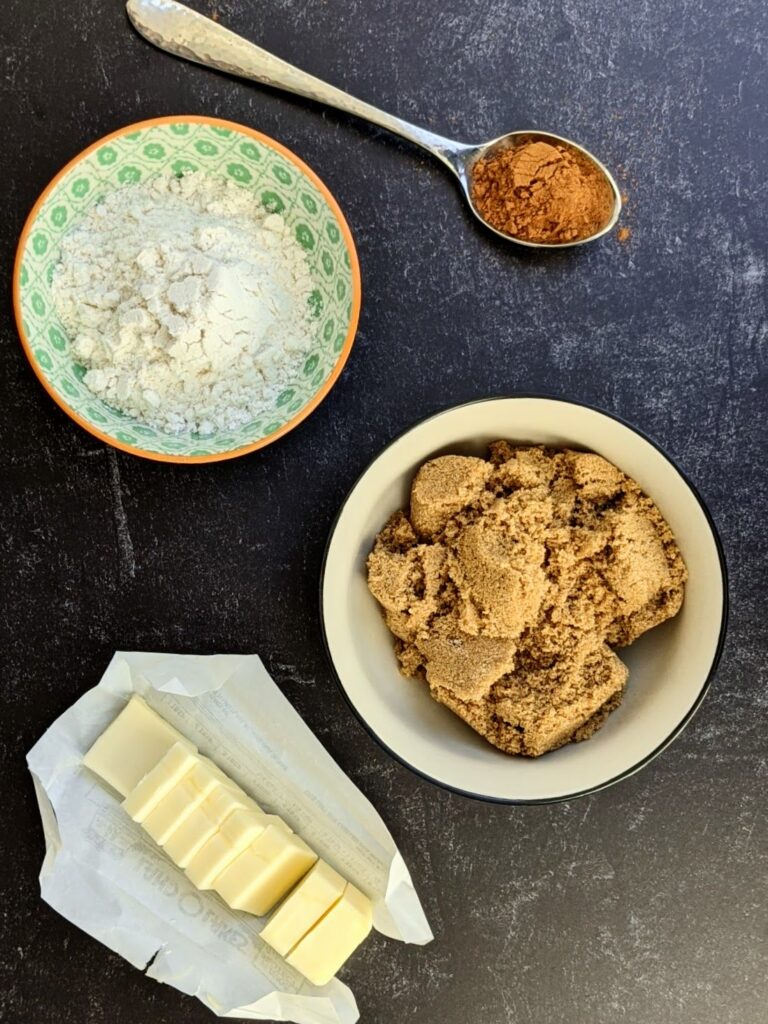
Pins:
x,y
103,873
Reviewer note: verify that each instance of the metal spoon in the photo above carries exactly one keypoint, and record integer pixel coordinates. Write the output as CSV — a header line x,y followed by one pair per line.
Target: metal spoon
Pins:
x,y
183,32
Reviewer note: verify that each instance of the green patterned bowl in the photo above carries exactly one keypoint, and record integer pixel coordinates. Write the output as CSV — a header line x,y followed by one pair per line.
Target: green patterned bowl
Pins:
x,y
280,181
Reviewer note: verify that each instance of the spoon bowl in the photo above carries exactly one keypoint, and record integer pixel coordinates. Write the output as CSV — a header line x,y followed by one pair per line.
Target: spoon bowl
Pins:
x,y
185,33
469,156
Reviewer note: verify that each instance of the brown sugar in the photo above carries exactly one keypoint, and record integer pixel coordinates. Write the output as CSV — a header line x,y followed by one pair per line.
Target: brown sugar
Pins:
x,y
511,579
539,192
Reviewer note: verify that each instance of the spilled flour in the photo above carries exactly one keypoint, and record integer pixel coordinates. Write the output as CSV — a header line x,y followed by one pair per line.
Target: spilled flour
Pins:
x,y
186,302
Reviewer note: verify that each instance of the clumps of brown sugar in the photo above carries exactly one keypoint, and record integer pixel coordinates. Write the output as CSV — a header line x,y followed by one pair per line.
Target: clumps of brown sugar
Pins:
x,y
539,192
510,580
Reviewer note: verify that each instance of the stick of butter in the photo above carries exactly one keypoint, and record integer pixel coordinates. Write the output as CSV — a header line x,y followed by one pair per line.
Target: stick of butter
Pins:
x,y
334,938
223,840
177,805
303,908
238,830
264,872
159,781
131,746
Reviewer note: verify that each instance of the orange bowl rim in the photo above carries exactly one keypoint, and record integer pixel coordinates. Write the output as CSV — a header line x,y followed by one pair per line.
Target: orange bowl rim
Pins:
x,y
328,383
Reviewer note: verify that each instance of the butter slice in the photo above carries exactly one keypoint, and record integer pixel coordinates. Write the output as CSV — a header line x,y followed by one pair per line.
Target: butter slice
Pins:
x,y
159,781
327,946
303,908
223,777
204,821
242,796
264,872
131,746
177,805
236,832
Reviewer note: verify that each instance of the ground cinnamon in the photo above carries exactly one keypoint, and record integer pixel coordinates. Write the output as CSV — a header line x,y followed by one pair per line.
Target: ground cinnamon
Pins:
x,y
539,192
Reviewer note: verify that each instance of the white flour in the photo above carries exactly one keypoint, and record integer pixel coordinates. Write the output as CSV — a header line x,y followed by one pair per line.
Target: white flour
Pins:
x,y
186,303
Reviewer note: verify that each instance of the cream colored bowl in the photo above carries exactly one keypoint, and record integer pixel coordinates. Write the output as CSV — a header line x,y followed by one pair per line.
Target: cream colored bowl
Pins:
x,y
670,666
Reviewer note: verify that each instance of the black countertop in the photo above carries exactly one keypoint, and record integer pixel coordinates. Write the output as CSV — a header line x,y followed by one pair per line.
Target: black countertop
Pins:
x,y
644,904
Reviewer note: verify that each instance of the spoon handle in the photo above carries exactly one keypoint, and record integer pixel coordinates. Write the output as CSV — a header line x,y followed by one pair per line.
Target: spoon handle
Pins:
x,y
185,33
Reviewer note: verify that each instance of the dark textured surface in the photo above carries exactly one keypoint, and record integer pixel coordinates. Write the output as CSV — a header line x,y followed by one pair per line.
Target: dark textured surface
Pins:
x,y
644,904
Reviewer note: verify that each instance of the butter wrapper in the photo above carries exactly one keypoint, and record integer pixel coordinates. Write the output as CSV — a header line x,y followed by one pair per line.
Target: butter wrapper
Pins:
x,y
103,873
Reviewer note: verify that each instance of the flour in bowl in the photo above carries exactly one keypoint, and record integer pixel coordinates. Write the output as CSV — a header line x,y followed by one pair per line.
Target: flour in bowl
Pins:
x,y
186,302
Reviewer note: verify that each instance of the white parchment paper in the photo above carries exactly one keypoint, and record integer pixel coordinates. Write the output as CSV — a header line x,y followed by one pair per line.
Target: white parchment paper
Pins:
x,y
103,873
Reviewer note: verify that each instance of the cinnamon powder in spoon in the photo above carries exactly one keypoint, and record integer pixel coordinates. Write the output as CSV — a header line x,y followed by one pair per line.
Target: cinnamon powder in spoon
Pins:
x,y
539,192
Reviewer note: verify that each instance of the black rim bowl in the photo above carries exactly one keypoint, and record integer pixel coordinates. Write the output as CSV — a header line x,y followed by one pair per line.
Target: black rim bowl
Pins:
x,y
680,725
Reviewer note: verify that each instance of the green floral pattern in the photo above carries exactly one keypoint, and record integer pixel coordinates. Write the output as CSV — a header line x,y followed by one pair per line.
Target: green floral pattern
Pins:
x,y
182,147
